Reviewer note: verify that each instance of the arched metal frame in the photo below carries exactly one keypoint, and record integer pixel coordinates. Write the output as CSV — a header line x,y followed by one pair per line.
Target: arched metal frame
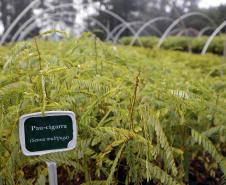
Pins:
x,y
19,17
118,30
178,20
120,26
69,5
33,25
124,28
208,42
175,31
152,21
202,31
192,30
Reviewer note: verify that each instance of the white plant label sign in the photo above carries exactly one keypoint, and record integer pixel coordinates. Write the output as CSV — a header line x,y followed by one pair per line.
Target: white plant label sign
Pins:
x,y
56,131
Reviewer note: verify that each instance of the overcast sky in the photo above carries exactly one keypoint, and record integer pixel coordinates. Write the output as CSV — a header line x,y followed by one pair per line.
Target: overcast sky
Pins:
x,y
208,3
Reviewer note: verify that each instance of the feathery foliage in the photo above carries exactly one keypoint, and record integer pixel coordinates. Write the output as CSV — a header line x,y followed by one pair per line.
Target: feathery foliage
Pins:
x,y
138,111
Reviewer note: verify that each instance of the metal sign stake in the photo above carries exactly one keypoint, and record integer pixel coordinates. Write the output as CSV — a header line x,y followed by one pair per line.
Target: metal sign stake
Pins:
x,y
52,169
56,131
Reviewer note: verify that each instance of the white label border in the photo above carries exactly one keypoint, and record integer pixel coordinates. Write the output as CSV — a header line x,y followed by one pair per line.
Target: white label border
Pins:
x,y
22,120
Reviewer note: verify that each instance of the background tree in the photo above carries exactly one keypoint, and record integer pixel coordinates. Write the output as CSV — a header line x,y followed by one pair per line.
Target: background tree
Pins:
x,y
218,14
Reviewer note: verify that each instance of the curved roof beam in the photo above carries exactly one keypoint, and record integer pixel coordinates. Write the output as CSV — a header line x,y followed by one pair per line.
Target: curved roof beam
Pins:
x,y
30,28
208,42
178,20
120,26
187,30
18,18
72,4
152,21
33,25
175,31
124,28
202,31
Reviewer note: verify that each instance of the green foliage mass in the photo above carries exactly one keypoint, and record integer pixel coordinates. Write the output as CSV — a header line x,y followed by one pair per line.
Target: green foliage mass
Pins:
x,y
182,43
139,111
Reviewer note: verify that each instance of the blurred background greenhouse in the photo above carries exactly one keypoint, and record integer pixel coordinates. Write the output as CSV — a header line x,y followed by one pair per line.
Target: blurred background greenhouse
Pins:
x,y
111,20
146,80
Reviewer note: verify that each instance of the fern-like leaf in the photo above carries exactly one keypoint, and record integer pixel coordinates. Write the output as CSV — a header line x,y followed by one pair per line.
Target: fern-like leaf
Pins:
x,y
157,173
162,139
215,130
113,168
204,141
